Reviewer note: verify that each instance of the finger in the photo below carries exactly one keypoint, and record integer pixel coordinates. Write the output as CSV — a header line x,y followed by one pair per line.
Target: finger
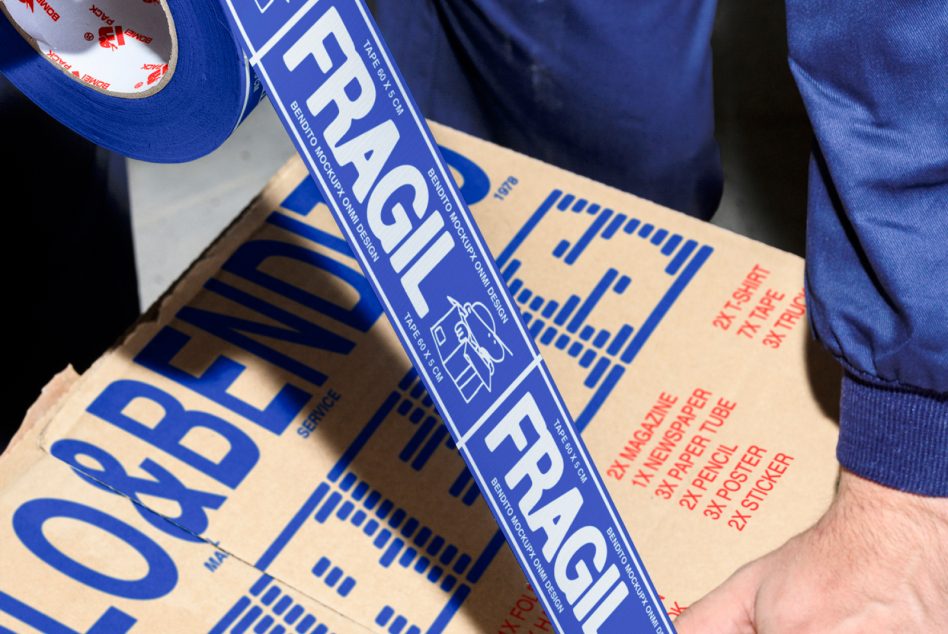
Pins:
x,y
729,609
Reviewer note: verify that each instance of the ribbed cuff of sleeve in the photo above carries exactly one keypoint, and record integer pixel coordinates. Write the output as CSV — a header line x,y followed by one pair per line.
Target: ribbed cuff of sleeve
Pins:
x,y
894,437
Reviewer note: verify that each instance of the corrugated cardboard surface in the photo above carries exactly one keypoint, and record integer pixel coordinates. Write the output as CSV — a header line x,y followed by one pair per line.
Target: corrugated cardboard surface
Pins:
x,y
264,419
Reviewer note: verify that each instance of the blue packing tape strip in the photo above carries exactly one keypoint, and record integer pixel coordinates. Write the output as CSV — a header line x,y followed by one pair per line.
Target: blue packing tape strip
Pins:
x,y
343,102
211,91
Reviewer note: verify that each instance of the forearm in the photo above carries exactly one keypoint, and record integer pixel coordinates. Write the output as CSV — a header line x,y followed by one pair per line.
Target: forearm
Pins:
x,y
873,77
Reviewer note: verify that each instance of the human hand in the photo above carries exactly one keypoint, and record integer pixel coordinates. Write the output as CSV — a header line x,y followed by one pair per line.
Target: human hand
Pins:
x,y
876,562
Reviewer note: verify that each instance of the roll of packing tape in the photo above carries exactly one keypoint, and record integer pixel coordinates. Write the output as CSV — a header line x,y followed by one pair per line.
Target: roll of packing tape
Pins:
x,y
158,80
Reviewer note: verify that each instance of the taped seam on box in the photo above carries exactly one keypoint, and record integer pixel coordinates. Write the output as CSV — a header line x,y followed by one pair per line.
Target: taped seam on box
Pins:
x,y
201,538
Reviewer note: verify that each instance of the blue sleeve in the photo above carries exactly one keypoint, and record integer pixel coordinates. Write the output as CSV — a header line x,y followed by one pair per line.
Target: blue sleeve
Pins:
x,y
874,78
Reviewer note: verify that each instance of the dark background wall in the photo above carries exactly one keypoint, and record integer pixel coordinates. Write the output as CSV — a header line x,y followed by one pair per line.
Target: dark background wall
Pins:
x,y
761,125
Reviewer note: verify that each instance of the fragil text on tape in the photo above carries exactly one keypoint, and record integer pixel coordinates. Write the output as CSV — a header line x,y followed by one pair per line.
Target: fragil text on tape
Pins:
x,y
344,104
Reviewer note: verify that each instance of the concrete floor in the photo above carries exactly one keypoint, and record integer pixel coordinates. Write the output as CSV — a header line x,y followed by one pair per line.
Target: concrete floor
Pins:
x,y
761,127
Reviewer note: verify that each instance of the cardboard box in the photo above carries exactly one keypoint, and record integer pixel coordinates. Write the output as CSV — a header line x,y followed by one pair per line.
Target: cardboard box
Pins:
x,y
258,455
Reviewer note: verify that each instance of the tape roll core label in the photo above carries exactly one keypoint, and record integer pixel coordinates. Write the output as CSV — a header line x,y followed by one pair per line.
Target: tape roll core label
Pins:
x,y
120,48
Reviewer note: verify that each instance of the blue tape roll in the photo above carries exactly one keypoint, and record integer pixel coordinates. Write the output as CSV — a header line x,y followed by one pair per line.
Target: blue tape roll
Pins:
x,y
211,91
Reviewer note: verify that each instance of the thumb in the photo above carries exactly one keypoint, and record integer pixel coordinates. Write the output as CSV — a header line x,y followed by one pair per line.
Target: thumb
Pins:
x,y
729,609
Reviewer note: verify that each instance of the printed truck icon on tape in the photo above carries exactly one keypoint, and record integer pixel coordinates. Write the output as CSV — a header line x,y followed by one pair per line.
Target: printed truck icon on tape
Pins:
x,y
469,347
